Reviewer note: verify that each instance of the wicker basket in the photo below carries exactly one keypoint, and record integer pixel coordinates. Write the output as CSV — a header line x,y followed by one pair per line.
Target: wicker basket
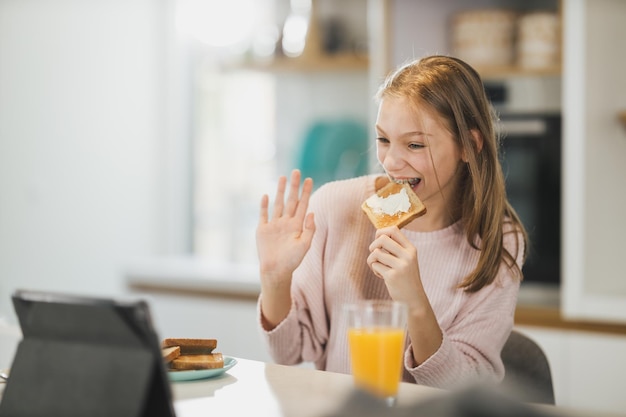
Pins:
x,y
485,37
538,40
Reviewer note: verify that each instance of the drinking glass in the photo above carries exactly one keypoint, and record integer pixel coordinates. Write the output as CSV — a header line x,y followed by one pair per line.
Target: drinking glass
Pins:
x,y
376,331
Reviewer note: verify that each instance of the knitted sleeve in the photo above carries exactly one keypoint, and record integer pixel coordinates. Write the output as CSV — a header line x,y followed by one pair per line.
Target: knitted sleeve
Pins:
x,y
303,334
472,343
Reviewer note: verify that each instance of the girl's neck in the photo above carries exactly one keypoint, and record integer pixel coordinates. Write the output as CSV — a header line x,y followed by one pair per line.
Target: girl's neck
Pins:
x,y
436,218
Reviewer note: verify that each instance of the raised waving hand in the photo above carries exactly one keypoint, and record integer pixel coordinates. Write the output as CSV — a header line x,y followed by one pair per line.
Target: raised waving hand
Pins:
x,y
283,237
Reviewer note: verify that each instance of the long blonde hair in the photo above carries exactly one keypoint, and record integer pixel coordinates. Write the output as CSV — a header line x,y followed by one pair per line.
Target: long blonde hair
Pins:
x,y
454,90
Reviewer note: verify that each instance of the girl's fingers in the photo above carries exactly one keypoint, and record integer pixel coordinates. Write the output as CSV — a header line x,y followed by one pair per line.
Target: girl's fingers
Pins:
x,y
385,243
264,209
294,205
309,228
376,267
303,204
294,190
280,196
383,257
391,237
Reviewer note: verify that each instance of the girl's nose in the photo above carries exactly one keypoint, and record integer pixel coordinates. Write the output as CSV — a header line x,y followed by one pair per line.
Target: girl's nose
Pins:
x,y
393,159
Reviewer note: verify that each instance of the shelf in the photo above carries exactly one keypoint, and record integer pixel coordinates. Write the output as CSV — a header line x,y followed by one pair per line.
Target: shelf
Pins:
x,y
551,317
622,118
314,58
360,62
318,63
517,72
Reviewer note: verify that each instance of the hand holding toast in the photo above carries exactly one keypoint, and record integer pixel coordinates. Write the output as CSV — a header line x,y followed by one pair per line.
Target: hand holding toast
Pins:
x,y
393,258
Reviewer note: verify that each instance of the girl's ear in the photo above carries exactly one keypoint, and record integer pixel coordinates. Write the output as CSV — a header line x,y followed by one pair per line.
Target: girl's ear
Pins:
x,y
478,142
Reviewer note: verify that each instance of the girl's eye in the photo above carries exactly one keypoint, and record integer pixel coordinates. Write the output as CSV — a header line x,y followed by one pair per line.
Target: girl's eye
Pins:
x,y
382,140
416,146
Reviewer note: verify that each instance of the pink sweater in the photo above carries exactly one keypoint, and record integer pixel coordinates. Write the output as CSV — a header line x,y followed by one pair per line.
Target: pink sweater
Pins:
x,y
475,325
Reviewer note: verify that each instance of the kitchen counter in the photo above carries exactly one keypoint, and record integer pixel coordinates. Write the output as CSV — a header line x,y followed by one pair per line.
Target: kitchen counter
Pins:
x,y
551,318
188,275
537,306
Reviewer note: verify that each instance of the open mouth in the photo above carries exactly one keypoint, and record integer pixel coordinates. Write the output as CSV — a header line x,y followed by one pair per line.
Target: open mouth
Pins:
x,y
411,181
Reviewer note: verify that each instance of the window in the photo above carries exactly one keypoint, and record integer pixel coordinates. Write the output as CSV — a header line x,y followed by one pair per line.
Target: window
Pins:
x,y
251,123
234,158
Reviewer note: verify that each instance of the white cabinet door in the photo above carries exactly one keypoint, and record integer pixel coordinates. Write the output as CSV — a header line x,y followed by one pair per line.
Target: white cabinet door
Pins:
x,y
597,368
588,369
594,145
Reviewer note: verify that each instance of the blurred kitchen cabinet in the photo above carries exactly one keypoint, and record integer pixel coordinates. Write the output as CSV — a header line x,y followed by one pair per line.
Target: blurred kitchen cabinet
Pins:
x,y
594,145
427,27
580,383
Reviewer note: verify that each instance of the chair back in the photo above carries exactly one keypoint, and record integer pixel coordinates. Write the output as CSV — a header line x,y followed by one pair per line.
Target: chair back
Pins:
x,y
334,150
527,371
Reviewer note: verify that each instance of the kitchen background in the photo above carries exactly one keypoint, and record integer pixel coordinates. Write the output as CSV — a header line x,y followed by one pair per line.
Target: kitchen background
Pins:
x,y
136,140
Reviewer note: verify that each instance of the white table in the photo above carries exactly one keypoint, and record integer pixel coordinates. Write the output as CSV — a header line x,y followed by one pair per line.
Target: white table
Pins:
x,y
269,390
274,390
264,389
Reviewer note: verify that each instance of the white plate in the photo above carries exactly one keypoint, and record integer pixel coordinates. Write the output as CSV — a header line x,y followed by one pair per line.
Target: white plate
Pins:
x,y
176,376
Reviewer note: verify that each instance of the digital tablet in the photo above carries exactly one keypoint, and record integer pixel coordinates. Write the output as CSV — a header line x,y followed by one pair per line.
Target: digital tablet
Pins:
x,y
85,356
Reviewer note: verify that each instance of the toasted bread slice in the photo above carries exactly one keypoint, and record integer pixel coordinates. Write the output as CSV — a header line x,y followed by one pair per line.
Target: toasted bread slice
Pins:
x,y
170,353
190,346
393,205
194,362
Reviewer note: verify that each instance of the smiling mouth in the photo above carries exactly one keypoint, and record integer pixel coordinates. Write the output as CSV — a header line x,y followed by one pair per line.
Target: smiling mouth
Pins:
x,y
411,181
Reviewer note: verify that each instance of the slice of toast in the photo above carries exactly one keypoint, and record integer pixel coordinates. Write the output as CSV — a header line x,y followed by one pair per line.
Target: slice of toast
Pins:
x,y
195,362
170,353
393,205
191,346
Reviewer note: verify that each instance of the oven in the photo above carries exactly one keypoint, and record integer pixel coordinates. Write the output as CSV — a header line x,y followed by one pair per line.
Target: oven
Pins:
x,y
531,161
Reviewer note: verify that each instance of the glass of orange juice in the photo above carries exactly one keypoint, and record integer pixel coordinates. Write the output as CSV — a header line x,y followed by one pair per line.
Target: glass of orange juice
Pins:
x,y
376,331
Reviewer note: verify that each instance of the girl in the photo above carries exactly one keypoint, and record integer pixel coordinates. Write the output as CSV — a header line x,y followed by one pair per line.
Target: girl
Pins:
x,y
458,267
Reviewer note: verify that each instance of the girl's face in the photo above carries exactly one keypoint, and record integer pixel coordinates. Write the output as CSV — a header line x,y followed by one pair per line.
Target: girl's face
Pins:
x,y
415,146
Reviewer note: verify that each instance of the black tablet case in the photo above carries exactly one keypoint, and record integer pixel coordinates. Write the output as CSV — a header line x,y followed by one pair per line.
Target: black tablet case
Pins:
x,y
82,356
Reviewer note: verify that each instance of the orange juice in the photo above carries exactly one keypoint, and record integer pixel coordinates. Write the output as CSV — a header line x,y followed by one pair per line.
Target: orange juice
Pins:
x,y
377,355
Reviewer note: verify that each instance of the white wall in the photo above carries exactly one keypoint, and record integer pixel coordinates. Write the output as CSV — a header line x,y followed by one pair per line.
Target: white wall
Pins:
x,y
82,142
